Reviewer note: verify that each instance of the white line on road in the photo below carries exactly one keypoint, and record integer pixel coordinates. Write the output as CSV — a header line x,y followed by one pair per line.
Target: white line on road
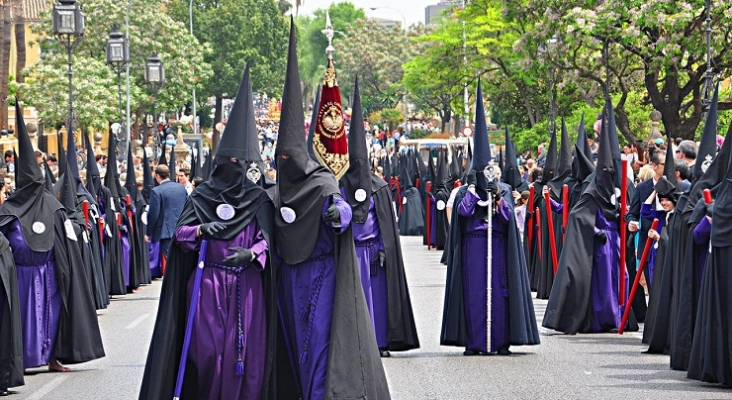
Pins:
x,y
47,388
138,321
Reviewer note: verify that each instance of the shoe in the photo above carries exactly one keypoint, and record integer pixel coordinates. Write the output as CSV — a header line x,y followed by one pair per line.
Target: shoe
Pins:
x,y
384,353
504,351
470,353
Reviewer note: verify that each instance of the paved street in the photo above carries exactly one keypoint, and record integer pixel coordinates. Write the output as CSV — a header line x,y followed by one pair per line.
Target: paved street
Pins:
x,y
562,367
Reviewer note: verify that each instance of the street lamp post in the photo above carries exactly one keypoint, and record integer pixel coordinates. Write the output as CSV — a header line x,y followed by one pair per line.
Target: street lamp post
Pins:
x,y
545,49
404,21
118,56
68,26
190,22
155,79
709,73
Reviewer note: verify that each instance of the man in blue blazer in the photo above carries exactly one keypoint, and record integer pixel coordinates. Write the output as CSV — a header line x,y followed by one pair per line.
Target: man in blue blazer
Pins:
x,y
166,203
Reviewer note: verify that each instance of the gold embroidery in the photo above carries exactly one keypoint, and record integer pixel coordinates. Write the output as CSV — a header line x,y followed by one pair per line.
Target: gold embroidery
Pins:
x,y
330,76
331,121
336,163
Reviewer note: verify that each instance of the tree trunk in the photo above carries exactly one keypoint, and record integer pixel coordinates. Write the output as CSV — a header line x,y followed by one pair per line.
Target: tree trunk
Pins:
x,y
5,63
623,124
527,104
218,115
447,116
19,19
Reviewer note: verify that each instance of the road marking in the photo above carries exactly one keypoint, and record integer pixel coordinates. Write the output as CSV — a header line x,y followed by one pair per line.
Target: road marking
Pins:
x,y
47,388
138,321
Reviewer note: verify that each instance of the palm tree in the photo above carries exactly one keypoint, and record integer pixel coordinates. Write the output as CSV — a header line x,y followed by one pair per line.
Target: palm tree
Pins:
x,y
19,20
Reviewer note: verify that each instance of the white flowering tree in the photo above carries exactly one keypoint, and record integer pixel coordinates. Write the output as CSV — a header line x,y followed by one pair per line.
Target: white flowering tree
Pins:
x,y
95,83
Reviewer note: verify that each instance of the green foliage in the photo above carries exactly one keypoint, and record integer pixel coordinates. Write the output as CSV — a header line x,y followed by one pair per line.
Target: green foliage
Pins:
x,y
238,31
95,84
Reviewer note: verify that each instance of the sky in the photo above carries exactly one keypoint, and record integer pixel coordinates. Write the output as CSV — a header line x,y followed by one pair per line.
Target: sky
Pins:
x,y
413,10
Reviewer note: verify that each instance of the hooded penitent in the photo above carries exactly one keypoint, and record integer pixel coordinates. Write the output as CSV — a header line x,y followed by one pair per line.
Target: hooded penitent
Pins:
x,y
550,164
482,152
147,179
330,144
357,181
708,144
313,123
303,185
578,299
93,179
240,139
564,164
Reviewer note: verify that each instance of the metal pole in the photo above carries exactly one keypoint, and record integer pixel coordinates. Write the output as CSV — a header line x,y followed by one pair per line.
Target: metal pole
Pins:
x,y
466,95
127,74
552,117
70,50
405,99
708,74
190,21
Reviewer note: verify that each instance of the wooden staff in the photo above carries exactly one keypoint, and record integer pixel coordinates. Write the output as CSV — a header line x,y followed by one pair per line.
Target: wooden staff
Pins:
x,y
644,257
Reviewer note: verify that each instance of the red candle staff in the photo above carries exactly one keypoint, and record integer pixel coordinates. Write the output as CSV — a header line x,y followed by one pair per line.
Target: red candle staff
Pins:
x,y
128,200
538,233
530,224
85,210
644,257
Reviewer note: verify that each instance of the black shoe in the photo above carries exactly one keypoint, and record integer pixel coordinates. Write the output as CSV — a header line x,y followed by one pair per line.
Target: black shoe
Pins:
x,y
384,353
4,392
470,353
504,351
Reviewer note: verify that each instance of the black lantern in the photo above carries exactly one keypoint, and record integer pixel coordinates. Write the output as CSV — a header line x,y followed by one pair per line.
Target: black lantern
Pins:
x,y
118,51
68,19
154,71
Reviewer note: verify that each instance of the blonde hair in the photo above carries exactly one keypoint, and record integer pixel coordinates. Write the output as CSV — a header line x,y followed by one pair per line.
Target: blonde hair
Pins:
x,y
645,173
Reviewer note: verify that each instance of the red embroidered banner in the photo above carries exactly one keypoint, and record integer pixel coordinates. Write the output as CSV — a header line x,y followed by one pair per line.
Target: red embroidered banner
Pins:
x,y
330,143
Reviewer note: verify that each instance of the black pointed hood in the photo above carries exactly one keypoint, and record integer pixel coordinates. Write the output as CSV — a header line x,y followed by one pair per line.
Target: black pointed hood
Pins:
x,y
72,164
500,161
432,171
564,163
147,179
722,227
130,178
240,138
550,162
442,176
482,150
207,165
163,160
357,180
93,178
303,185
510,173
111,175
313,123
172,164
62,159
708,144
68,197
714,174
602,186
50,179
455,170
669,166
610,128
195,164
30,204
582,142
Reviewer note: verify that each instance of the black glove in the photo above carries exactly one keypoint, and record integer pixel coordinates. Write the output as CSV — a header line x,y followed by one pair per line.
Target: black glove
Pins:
x,y
212,228
241,256
471,180
710,209
332,214
529,214
492,187
601,237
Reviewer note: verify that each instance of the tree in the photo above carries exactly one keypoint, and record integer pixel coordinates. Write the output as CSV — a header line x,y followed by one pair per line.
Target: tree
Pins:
x,y
375,53
5,60
660,42
95,85
239,31
19,20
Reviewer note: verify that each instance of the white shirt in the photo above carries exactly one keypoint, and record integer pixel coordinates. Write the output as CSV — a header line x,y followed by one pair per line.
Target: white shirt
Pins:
x,y
451,200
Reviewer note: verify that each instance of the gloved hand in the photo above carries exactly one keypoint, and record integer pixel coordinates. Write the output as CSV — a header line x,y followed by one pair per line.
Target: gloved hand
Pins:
x,y
471,180
241,256
601,237
122,228
710,209
212,228
529,214
332,215
492,187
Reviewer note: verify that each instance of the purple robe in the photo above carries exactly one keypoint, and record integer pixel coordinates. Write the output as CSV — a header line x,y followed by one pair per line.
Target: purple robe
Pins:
x,y
230,297
369,244
156,270
702,233
306,295
606,313
125,257
475,244
40,300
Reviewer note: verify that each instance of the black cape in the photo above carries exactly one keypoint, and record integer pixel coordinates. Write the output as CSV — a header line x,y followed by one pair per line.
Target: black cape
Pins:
x,y
411,220
11,341
402,329
163,358
522,320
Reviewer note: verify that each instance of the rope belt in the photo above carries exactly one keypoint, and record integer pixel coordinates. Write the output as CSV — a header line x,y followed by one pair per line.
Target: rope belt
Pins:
x,y
308,311
373,249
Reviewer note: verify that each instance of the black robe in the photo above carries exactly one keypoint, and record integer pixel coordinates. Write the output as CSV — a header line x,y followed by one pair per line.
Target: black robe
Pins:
x,y
11,341
163,358
521,317
115,279
440,223
411,220
655,330
402,331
